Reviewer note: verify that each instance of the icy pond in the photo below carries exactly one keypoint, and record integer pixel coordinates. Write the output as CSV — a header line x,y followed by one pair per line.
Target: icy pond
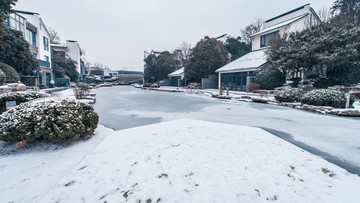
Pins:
x,y
337,139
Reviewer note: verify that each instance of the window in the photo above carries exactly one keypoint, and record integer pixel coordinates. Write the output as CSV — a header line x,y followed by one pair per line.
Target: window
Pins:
x,y
46,44
16,22
46,58
266,38
30,37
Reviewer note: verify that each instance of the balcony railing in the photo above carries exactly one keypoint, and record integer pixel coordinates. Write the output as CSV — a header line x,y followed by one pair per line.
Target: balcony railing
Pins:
x,y
44,64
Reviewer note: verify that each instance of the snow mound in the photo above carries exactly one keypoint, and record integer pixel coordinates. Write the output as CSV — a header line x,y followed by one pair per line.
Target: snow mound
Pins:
x,y
197,161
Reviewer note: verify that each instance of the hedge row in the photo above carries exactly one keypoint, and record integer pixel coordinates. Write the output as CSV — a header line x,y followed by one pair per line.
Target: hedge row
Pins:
x,y
319,97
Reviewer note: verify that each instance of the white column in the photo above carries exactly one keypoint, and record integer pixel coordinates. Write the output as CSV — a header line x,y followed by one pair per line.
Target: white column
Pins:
x,y
219,85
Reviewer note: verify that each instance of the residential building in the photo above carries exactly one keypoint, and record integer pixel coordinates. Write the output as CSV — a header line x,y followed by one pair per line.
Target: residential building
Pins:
x,y
71,50
240,72
38,37
74,53
177,77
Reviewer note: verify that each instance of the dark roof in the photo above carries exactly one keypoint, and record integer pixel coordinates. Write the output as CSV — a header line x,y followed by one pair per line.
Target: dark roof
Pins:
x,y
26,12
284,14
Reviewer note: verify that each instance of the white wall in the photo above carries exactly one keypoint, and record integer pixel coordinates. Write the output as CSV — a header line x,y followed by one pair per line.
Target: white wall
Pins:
x,y
296,26
74,53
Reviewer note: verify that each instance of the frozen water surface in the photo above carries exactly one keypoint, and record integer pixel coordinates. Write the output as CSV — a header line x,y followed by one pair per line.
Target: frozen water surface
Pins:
x,y
336,139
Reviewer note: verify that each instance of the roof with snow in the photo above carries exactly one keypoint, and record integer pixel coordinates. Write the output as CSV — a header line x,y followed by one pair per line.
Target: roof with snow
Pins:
x,y
248,62
177,72
282,24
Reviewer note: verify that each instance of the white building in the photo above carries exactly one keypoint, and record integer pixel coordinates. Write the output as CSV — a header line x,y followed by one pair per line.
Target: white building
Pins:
x,y
38,37
74,53
240,72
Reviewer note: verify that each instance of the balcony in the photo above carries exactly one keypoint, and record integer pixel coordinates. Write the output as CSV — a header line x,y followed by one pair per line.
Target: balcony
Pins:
x,y
44,64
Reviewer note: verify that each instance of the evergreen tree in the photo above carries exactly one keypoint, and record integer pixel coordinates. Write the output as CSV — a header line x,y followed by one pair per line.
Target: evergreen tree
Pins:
x,y
323,46
5,10
14,51
208,55
158,68
348,12
236,47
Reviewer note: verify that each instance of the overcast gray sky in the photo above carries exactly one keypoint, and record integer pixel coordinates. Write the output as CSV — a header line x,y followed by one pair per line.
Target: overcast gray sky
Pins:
x,y
116,32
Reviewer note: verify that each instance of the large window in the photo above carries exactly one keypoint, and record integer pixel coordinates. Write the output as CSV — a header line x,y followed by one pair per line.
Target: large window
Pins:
x,y
16,22
46,44
30,37
266,38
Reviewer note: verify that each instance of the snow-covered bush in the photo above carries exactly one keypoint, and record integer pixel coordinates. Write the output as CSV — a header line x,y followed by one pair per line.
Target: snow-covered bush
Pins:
x,y
2,78
82,92
289,95
326,97
49,119
19,97
11,75
270,78
252,86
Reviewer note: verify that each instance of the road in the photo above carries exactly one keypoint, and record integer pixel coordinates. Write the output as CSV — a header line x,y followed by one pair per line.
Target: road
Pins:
x,y
337,139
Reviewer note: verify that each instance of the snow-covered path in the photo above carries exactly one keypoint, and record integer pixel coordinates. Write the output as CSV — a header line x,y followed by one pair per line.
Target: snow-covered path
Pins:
x,y
197,161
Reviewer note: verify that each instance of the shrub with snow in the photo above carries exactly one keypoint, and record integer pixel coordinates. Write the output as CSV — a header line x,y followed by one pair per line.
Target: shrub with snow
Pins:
x,y
290,95
11,75
2,78
270,78
252,86
326,97
19,97
49,119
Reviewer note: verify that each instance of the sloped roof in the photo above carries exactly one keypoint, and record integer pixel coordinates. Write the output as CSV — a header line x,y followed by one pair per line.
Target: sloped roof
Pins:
x,y
177,72
287,13
252,60
282,24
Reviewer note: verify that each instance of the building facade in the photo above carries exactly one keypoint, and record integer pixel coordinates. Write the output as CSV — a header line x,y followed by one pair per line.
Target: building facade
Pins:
x,y
38,37
240,72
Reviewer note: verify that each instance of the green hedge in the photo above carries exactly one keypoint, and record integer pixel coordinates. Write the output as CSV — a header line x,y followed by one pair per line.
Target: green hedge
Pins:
x,y
11,75
19,97
270,78
326,97
2,78
49,119
290,95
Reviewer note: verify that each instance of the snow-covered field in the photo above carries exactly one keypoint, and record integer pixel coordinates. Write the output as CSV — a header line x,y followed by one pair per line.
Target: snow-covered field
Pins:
x,y
177,161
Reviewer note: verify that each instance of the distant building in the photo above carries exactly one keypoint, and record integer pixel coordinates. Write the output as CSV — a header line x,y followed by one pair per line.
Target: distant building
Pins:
x,y
38,37
124,76
177,77
240,72
71,50
74,52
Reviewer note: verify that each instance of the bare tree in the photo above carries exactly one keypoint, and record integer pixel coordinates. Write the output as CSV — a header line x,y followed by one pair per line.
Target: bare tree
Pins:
x,y
324,14
54,36
185,51
251,30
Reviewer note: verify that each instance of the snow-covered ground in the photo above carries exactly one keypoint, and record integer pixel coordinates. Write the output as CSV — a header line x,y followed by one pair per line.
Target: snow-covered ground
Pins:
x,y
29,172
197,161
177,161
68,93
